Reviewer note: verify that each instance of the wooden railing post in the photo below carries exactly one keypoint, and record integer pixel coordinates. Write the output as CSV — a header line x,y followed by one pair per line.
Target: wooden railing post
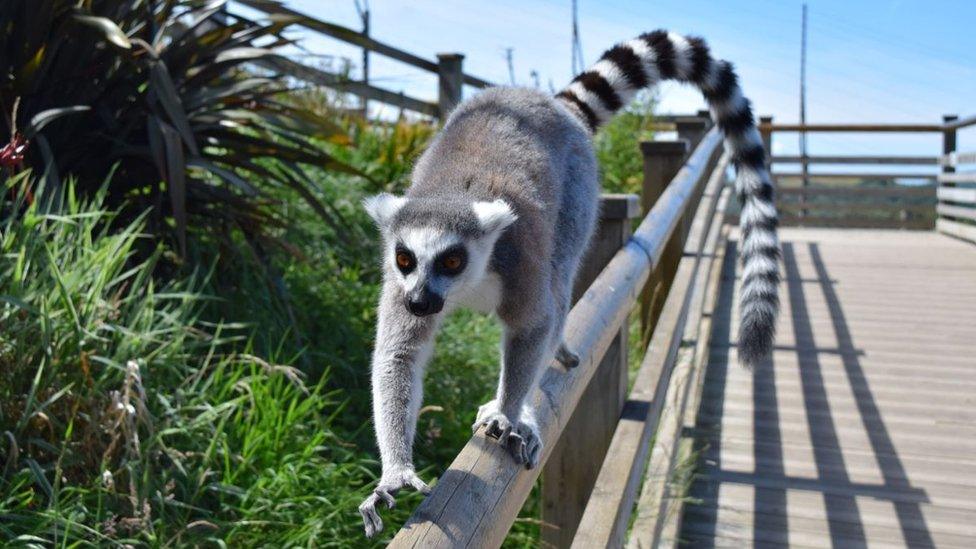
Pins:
x,y
450,78
574,464
949,140
766,131
692,129
662,160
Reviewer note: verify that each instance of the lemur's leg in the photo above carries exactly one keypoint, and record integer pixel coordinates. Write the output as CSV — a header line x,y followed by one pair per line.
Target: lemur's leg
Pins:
x,y
404,344
526,352
563,290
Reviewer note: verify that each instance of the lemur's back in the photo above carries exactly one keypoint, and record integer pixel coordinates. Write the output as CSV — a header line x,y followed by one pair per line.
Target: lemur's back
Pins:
x,y
528,149
511,143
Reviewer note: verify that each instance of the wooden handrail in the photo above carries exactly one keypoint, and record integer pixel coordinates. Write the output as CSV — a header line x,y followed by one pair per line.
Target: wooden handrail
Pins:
x,y
607,511
658,505
855,175
924,190
323,78
477,499
948,126
961,123
353,37
898,160
857,128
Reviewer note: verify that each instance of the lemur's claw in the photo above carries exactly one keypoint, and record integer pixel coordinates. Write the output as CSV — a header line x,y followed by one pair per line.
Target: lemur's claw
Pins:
x,y
385,492
521,439
371,518
567,358
525,445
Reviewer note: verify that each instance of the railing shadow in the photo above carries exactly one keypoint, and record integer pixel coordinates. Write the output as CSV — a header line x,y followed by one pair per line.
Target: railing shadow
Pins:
x,y
771,483
767,449
843,516
910,518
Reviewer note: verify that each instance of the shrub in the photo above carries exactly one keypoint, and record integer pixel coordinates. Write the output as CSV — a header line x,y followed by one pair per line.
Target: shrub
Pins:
x,y
618,146
167,95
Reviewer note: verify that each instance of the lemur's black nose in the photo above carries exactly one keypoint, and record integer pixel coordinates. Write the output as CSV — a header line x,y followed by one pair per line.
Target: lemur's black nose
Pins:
x,y
424,303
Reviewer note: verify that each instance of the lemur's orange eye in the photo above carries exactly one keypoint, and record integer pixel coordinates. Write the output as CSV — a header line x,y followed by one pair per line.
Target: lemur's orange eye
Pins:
x,y
452,262
404,261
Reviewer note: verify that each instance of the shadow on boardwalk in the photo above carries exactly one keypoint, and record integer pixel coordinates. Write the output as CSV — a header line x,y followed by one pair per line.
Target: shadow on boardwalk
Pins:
x,y
802,452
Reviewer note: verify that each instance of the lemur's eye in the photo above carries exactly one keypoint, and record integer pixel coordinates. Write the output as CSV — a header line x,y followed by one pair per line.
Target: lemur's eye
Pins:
x,y
452,262
405,261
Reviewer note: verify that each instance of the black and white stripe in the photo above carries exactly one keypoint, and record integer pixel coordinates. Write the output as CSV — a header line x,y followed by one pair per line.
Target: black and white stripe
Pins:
x,y
610,84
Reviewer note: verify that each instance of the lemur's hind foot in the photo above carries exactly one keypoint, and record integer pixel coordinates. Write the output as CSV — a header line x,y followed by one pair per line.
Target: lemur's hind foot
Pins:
x,y
567,358
520,438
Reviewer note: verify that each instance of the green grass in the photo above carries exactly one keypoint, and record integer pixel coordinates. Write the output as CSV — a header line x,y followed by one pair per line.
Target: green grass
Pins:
x,y
250,390
126,418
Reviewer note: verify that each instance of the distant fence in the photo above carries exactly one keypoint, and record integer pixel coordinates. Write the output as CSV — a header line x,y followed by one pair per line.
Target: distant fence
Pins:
x,y
957,189
858,198
448,67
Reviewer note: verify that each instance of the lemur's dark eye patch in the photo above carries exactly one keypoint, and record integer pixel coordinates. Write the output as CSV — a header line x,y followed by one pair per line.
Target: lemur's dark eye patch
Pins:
x,y
405,260
452,261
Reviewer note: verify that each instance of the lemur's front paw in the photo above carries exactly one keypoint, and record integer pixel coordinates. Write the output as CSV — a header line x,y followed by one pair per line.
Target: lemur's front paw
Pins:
x,y
520,438
388,487
487,409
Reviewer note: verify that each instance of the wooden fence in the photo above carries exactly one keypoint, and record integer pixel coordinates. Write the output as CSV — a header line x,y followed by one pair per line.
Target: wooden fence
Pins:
x,y
859,198
957,189
448,67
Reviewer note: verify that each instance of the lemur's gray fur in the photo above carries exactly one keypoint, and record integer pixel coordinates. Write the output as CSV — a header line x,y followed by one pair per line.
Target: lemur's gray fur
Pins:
x,y
501,209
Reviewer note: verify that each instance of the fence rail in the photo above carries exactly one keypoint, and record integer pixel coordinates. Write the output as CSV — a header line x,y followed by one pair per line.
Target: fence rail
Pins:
x,y
956,194
859,198
448,66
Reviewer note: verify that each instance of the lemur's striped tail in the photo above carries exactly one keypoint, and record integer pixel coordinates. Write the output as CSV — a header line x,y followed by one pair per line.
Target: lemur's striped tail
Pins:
x,y
612,82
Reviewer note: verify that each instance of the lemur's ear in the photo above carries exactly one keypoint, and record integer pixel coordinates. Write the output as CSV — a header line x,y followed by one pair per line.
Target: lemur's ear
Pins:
x,y
494,216
383,207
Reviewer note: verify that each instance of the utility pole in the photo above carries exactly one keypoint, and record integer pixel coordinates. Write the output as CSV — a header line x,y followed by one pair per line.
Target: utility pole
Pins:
x,y
511,66
363,10
803,101
535,78
578,64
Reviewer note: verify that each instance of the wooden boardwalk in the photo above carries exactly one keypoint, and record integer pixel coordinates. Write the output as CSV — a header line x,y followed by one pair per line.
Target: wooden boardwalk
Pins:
x,y
861,431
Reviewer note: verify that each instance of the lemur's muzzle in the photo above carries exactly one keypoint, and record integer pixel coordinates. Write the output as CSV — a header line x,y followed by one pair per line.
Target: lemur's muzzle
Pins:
x,y
424,302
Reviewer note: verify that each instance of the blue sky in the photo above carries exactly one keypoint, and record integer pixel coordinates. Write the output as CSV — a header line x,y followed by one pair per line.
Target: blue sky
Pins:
x,y
868,61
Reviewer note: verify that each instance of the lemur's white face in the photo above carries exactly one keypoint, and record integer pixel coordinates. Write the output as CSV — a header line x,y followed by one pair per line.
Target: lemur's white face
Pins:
x,y
435,264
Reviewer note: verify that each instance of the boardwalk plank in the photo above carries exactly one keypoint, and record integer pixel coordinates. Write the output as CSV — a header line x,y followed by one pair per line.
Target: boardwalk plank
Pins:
x,y
860,430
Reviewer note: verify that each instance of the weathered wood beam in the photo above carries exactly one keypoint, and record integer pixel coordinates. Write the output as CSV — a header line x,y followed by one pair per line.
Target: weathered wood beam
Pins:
x,y
854,128
897,160
927,190
607,512
340,83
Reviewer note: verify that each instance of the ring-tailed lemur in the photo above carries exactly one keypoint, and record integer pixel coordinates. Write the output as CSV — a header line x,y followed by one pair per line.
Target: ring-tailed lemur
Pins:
x,y
501,209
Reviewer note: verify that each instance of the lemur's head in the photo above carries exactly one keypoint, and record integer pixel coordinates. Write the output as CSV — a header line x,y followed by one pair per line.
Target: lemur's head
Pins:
x,y
434,248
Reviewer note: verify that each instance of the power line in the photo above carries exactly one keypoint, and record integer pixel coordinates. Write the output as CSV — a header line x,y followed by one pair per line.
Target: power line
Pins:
x,y
511,66
363,10
803,94
577,46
